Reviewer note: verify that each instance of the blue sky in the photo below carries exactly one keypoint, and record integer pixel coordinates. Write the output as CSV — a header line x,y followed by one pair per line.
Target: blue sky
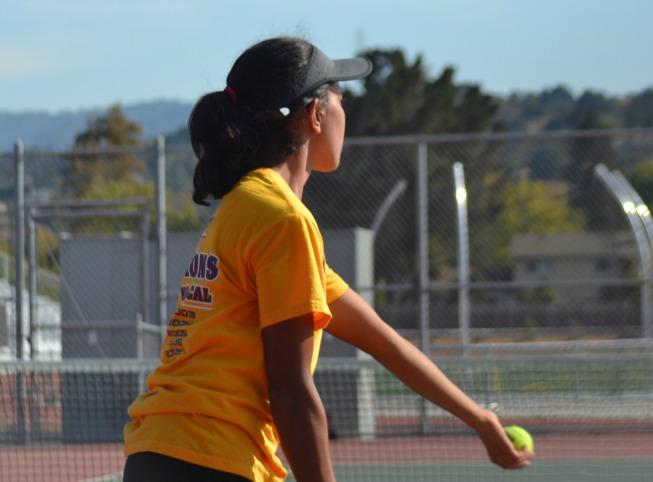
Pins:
x,y
72,54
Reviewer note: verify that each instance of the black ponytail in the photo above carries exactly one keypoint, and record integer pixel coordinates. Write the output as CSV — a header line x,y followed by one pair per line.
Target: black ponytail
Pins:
x,y
221,144
235,131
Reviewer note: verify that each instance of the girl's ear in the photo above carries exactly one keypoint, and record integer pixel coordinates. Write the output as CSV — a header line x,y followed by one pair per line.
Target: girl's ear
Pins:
x,y
314,116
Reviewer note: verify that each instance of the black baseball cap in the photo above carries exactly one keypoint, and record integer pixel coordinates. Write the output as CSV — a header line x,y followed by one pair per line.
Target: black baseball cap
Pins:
x,y
320,70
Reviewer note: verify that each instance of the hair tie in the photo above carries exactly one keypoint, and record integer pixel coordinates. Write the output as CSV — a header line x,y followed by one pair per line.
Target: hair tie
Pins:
x,y
231,92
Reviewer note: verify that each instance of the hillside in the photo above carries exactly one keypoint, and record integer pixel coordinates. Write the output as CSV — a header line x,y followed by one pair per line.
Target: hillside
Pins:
x,y
57,130
557,108
550,109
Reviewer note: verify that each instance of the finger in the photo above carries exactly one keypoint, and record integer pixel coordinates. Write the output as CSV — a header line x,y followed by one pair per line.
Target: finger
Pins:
x,y
513,465
523,460
527,454
518,460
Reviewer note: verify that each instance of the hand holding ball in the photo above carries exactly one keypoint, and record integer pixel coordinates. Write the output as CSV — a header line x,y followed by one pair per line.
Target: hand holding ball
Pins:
x,y
521,439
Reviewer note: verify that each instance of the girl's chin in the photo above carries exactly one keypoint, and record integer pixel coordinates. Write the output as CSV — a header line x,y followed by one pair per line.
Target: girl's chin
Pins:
x,y
327,167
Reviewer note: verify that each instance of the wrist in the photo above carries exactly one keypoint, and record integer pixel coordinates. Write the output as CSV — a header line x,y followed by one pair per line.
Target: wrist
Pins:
x,y
481,419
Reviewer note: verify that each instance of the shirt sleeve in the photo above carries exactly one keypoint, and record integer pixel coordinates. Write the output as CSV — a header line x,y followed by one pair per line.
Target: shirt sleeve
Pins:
x,y
290,272
335,285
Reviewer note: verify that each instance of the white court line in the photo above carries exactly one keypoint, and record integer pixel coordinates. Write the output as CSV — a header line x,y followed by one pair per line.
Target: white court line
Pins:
x,y
117,477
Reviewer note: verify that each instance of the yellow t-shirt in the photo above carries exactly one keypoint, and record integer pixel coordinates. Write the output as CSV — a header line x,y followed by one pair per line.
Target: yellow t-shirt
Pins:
x,y
260,261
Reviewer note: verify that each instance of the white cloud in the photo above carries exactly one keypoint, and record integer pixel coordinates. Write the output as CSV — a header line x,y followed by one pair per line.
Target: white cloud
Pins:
x,y
18,63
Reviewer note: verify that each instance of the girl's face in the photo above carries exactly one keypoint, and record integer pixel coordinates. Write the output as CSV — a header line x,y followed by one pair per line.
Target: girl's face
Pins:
x,y
326,147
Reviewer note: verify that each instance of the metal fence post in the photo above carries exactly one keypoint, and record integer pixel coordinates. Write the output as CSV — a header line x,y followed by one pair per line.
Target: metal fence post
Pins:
x,y
640,207
19,246
645,217
422,244
421,181
463,254
32,280
145,268
32,277
19,282
644,249
161,231
141,318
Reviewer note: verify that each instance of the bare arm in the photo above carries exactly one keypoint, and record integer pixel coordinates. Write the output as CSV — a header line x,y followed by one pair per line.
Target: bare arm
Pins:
x,y
355,322
296,407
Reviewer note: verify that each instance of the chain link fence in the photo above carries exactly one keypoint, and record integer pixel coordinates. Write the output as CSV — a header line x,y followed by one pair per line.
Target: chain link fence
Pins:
x,y
550,254
514,250
86,235
531,245
580,409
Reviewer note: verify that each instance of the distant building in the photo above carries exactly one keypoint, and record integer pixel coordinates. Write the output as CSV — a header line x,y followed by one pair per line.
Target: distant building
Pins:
x,y
579,256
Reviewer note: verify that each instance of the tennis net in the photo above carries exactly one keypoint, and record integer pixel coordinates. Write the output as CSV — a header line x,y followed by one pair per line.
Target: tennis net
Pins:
x,y
591,415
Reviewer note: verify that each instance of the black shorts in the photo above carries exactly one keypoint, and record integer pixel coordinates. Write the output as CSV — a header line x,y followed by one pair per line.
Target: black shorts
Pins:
x,y
153,467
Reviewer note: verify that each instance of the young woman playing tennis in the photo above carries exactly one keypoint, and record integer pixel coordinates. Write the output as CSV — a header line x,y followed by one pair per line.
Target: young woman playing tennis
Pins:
x,y
235,378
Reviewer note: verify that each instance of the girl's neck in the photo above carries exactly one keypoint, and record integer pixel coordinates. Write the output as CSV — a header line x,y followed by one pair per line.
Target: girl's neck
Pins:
x,y
295,172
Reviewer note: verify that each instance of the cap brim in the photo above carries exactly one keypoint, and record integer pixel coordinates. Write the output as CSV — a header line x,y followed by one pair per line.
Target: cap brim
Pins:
x,y
350,69
322,70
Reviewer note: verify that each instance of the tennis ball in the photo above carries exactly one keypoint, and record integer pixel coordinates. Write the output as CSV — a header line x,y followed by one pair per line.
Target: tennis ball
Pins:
x,y
521,439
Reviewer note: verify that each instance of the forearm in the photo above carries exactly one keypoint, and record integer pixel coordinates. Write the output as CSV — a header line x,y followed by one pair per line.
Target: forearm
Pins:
x,y
301,422
355,322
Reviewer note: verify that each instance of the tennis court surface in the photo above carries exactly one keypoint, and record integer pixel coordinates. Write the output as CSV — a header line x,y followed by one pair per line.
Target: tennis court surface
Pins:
x,y
591,416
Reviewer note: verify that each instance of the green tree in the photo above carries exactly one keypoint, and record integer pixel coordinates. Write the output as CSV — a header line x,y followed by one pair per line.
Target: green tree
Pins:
x,y
392,95
117,190
525,207
594,111
556,108
107,175
183,214
529,207
639,110
47,248
586,191
400,97
112,130
641,178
